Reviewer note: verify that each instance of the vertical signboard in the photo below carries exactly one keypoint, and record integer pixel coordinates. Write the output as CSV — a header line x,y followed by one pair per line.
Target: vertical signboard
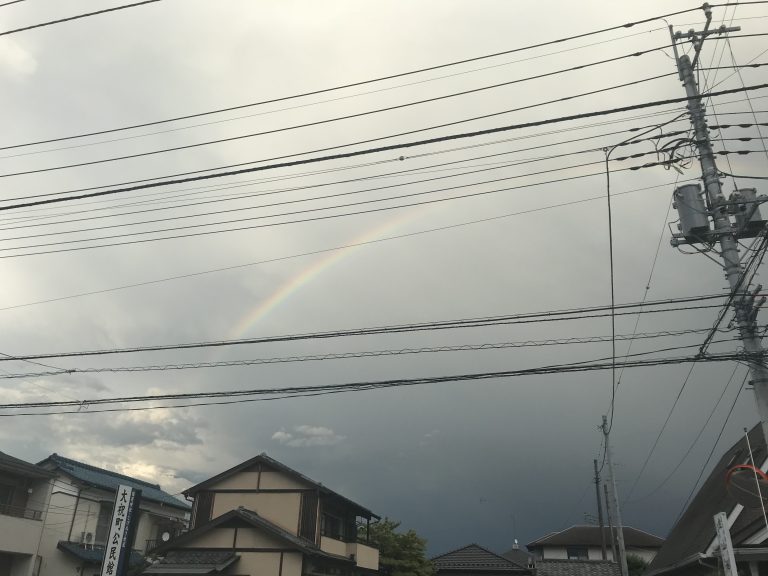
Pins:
x,y
122,531
726,547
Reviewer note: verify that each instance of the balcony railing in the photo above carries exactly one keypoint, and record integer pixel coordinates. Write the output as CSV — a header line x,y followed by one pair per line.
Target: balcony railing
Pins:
x,y
20,512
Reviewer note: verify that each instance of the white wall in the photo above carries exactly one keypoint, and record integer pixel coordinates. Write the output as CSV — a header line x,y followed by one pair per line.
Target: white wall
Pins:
x,y
595,553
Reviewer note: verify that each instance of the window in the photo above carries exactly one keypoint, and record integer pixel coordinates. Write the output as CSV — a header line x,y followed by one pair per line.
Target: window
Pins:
x,y
331,526
103,523
203,508
577,552
6,497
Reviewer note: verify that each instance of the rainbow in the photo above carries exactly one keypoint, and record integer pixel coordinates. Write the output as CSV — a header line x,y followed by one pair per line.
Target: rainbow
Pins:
x,y
308,274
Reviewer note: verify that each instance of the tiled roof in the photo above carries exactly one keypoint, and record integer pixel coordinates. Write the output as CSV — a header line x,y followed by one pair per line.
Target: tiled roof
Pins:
x,y
94,554
518,556
191,561
590,536
107,480
696,529
19,467
263,459
249,517
474,558
577,568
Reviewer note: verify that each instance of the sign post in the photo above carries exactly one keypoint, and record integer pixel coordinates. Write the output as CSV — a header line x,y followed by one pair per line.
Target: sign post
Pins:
x,y
725,545
122,532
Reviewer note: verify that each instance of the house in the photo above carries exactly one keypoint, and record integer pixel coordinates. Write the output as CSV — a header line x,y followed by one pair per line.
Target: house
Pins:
x,y
79,511
691,549
24,493
262,517
577,568
474,560
582,542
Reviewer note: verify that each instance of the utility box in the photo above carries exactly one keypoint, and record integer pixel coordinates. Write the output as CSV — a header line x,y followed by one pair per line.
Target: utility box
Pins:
x,y
746,209
694,218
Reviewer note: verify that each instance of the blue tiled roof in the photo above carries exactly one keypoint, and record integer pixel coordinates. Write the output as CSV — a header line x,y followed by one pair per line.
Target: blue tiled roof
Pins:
x,y
95,554
107,480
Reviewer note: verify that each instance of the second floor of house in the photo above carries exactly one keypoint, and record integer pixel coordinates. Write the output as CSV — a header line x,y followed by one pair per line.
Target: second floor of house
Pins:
x,y
291,501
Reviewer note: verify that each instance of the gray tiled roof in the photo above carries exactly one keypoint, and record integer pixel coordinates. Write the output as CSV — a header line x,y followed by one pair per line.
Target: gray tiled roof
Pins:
x,y
474,558
13,465
518,556
577,568
582,535
194,561
107,480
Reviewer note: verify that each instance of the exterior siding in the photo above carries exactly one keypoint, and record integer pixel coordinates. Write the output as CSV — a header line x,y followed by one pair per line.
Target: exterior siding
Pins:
x,y
280,508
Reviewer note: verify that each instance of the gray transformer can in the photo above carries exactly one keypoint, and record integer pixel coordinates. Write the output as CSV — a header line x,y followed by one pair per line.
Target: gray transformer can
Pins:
x,y
749,221
694,218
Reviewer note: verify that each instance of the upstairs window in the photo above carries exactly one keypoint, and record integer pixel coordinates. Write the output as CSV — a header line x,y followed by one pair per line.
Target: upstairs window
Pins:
x,y
332,527
577,552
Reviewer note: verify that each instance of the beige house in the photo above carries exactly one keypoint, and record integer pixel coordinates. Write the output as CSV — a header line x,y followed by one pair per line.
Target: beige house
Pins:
x,y
584,542
262,517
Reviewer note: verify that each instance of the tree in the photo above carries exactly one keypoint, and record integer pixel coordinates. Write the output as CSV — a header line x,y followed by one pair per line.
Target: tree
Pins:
x,y
636,565
400,554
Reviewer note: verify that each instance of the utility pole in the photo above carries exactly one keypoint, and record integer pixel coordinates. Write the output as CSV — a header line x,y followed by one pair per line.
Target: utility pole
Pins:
x,y
610,523
615,503
600,511
742,204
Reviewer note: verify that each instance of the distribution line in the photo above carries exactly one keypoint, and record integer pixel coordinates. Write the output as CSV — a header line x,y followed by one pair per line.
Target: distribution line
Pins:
x,y
77,17
69,248
321,251
346,166
428,169
251,395
499,85
583,313
363,82
39,221
54,250
399,146
494,166
337,119
363,354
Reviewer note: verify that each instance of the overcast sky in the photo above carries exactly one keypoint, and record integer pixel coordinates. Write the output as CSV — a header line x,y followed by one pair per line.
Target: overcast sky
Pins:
x,y
485,461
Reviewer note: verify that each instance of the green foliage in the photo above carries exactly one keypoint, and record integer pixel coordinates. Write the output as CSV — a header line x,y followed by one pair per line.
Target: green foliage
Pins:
x,y
400,554
636,565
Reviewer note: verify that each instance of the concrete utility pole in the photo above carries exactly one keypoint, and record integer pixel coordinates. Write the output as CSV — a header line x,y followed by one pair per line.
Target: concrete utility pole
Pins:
x,y
610,523
743,204
615,503
600,511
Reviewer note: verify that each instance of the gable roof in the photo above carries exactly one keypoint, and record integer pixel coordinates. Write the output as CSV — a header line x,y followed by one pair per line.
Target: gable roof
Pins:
x,y
695,529
250,518
107,480
475,558
577,568
13,465
264,460
583,535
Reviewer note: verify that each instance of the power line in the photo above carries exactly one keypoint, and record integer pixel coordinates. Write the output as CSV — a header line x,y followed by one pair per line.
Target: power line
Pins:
x,y
304,220
253,395
399,146
354,84
9,3
337,119
321,251
349,167
494,166
70,18
524,318
248,183
350,355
